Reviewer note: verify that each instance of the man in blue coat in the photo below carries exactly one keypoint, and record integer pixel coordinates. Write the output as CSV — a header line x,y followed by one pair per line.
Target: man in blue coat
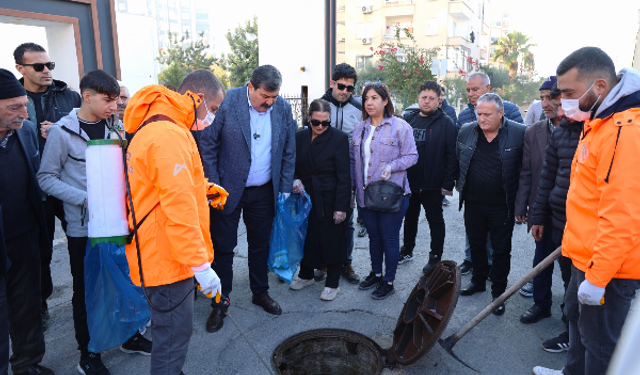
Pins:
x,y
250,151
23,225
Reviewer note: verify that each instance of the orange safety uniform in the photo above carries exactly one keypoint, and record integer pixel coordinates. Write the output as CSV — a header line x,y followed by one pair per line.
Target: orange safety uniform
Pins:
x,y
167,181
602,235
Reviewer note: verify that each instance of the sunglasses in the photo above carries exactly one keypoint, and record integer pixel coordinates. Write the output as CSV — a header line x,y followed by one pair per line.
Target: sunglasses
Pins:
x,y
318,122
342,86
375,84
38,67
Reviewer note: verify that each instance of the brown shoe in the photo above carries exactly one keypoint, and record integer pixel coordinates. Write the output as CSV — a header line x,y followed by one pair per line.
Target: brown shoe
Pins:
x,y
350,274
267,303
215,320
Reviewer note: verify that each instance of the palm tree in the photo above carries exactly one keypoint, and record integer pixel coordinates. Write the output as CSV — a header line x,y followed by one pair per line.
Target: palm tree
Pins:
x,y
509,50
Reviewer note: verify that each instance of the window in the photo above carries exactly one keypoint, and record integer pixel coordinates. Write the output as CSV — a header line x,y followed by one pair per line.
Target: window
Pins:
x,y
186,16
364,30
432,26
122,5
202,16
362,61
496,23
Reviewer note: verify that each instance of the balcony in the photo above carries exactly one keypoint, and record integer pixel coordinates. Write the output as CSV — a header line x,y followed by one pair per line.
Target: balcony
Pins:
x,y
460,9
399,8
458,40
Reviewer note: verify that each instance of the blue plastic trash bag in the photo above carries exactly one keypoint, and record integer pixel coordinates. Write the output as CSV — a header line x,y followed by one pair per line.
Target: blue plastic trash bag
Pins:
x,y
116,308
288,234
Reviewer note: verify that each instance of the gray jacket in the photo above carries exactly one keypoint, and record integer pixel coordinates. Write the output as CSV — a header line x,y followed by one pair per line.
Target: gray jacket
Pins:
x,y
344,116
63,169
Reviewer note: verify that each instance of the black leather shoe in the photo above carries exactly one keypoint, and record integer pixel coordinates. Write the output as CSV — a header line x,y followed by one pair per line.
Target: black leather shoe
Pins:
x,y
498,310
466,267
534,314
433,260
472,289
215,320
318,275
36,370
267,303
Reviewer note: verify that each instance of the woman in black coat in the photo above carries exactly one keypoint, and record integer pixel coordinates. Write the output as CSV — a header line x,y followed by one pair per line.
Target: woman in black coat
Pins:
x,y
322,170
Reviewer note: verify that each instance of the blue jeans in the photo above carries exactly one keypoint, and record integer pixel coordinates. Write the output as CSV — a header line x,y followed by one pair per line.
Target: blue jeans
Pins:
x,y
384,238
595,330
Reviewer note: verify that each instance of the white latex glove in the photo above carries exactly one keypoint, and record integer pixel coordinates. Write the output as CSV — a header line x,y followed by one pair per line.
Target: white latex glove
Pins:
x,y
589,294
209,282
298,187
339,216
386,173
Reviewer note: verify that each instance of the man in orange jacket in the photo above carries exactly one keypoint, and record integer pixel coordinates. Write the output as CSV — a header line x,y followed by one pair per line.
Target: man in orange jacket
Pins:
x,y
169,193
602,235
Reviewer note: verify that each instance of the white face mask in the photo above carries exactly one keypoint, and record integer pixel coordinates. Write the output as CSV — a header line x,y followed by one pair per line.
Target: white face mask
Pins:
x,y
571,107
208,120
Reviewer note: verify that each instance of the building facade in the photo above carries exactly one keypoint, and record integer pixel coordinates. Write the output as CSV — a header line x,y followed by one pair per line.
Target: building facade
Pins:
x,y
462,28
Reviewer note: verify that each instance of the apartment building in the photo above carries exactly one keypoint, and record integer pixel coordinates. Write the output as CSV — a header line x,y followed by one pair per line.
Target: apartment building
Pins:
x,y
636,54
461,27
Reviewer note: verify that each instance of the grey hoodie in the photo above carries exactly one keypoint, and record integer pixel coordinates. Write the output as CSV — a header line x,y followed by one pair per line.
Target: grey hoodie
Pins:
x,y
628,85
63,171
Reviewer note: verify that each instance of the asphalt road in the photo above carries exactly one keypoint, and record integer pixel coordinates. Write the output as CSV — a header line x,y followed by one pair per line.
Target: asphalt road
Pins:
x,y
498,345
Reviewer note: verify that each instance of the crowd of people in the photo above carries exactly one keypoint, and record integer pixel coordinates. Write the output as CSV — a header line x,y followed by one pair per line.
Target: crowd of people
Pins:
x,y
201,157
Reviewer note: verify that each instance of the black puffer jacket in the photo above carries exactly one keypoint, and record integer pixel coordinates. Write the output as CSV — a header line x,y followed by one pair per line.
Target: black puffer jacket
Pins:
x,y
554,180
511,143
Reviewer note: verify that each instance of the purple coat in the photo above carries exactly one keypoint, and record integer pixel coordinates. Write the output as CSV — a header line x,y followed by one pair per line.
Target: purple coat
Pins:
x,y
394,146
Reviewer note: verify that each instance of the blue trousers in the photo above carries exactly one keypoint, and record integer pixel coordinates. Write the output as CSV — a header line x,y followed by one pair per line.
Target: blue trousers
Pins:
x,y
542,295
384,238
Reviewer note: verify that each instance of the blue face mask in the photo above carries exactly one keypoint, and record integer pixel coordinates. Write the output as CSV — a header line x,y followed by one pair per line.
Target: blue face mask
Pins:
x,y
571,107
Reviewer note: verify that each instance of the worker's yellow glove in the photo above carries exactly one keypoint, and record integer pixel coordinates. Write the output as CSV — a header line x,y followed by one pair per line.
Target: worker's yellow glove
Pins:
x,y
217,196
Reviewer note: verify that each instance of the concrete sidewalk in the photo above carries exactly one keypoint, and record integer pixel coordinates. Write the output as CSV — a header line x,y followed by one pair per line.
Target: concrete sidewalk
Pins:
x,y
498,345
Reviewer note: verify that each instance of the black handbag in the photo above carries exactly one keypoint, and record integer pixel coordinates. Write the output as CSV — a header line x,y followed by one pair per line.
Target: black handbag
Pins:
x,y
383,196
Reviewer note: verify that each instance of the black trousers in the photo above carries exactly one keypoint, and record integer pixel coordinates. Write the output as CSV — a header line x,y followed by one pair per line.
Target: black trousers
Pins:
x,y
333,274
257,208
77,251
479,220
431,200
52,208
4,329
23,301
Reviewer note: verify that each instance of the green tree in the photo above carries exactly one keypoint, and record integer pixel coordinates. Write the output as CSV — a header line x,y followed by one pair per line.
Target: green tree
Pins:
x,y
244,52
369,73
499,77
182,57
405,66
511,49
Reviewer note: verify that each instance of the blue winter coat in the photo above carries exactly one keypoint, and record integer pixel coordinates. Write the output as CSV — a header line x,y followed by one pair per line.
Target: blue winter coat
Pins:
x,y
511,112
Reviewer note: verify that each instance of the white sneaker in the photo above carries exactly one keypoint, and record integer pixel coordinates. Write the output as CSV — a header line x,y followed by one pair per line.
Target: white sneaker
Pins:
x,y
299,283
329,294
546,371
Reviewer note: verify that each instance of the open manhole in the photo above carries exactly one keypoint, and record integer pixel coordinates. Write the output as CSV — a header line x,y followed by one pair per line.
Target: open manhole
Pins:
x,y
422,321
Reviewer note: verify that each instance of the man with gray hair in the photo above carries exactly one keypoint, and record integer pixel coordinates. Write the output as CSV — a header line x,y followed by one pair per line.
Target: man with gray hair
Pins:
x,y
490,156
250,151
479,84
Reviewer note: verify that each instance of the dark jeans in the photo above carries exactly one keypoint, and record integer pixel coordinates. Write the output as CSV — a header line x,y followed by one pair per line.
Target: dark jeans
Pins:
x,y
595,330
171,331
52,208
480,220
432,202
23,301
77,251
258,211
4,329
542,295
333,274
384,238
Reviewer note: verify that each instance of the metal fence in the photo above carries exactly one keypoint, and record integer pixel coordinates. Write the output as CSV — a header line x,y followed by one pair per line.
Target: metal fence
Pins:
x,y
299,107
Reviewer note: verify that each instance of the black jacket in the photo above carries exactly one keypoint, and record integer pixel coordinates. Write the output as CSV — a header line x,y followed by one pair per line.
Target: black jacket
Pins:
x,y
554,179
57,102
29,143
3,251
437,165
324,169
449,111
510,141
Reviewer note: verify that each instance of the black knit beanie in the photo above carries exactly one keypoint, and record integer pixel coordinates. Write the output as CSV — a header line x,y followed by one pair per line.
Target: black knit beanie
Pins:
x,y
10,87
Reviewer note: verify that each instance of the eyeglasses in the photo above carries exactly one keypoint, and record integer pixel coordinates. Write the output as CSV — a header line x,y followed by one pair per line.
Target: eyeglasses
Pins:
x,y
38,67
318,122
342,86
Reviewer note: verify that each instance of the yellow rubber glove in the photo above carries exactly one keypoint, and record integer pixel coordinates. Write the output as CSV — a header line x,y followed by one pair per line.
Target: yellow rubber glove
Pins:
x,y
217,196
